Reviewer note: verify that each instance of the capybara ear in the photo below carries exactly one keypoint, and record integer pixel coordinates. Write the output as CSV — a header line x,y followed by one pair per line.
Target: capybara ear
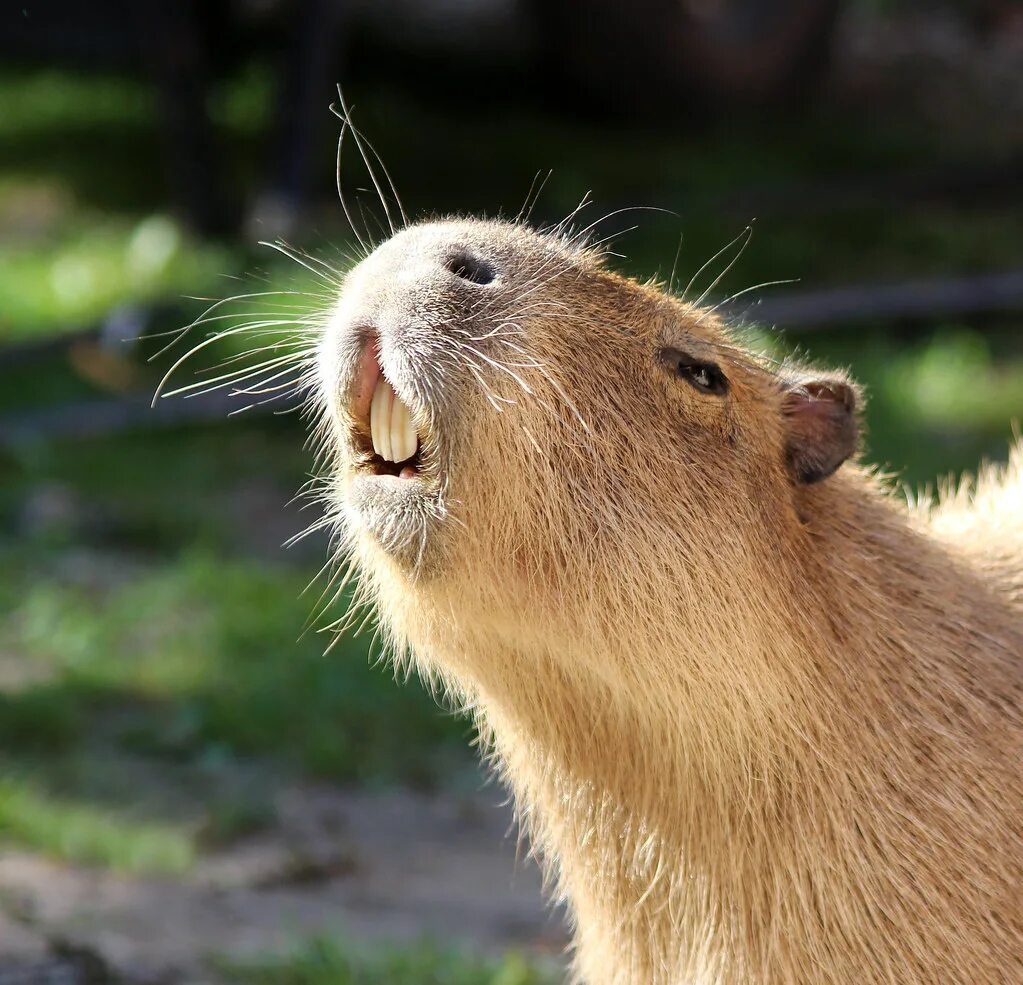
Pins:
x,y
821,429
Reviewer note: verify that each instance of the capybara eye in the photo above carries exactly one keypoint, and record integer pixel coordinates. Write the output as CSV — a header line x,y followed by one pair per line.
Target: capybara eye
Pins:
x,y
704,376
471,268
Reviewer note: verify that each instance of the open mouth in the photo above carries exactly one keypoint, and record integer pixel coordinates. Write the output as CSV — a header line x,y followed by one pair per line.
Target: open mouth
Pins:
x,y
385,437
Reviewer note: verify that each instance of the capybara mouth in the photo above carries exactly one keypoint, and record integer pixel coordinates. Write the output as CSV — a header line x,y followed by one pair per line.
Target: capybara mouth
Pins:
x,y
384,435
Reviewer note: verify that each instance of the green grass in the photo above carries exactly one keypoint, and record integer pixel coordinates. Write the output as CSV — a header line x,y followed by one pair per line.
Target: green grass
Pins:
x,y
148,639
328,961
145,690
206,649
86,834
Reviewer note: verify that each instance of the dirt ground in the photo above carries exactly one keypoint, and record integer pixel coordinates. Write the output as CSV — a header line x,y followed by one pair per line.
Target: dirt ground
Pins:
x,y
389,866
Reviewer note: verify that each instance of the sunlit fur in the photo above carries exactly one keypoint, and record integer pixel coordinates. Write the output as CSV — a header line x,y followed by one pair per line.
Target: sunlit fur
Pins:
x,y
759,731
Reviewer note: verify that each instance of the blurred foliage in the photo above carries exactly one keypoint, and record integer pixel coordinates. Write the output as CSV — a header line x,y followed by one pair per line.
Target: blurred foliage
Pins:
x,y
83,833
953,382
86,226
74,279
205,648
148,653
329,961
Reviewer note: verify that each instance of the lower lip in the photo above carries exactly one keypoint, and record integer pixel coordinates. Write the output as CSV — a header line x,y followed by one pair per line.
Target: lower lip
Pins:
x,y
387,491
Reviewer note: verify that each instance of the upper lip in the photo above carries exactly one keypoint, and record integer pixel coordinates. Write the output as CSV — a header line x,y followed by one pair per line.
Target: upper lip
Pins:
x,y
366,375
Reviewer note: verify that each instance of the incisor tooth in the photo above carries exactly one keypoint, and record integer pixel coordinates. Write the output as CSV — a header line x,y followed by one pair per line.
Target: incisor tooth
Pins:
x,y
379,416
374,418
399,422
411,437
403,435
397,431
385,424
390,424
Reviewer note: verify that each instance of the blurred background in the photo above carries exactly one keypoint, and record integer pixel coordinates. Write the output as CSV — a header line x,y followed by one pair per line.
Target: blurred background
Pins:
x,y
190,790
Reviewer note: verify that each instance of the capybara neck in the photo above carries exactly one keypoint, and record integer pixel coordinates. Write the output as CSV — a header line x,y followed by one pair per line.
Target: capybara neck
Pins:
x,y
789,809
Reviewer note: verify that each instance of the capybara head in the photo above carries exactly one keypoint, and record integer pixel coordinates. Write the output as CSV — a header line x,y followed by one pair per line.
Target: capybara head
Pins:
x,y
515,428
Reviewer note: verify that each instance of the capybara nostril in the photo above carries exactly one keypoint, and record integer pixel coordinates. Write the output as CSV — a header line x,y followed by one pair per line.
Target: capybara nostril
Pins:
x,y
471,268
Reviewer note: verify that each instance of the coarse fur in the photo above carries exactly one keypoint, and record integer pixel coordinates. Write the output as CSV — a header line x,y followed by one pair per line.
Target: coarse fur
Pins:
x,y
762,719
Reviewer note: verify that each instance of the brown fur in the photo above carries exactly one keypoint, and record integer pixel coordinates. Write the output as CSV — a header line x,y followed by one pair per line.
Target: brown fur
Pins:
x,y
762,730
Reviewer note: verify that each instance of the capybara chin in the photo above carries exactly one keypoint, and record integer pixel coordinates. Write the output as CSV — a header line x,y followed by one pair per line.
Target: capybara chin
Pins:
x,y
761,718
